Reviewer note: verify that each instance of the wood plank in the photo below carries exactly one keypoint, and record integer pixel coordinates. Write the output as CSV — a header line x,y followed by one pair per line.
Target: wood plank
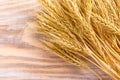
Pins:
x,y
21,61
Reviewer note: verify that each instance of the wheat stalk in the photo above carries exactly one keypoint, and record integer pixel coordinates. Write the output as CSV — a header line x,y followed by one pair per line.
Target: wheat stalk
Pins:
x,y
77,29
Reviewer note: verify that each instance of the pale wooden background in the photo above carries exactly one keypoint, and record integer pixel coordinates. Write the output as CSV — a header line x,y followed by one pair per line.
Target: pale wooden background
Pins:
x,y
19,60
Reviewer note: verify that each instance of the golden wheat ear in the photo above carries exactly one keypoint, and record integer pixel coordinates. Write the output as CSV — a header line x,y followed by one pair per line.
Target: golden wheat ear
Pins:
x,y
79,30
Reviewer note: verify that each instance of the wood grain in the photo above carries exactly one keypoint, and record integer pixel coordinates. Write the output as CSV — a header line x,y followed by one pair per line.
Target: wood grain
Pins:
x,y
21,61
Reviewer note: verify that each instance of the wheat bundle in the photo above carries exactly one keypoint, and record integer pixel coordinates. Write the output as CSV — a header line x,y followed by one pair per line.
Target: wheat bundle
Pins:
x,y
79,30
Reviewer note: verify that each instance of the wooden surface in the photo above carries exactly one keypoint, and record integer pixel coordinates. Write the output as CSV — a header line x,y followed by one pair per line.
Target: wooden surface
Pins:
x,y
21,61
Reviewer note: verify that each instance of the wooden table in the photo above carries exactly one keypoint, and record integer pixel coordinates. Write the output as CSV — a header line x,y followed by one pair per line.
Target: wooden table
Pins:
x,y
20,60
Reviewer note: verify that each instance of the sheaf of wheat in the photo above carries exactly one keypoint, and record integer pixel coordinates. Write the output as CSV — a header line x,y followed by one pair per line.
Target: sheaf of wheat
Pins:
x,y
82,30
